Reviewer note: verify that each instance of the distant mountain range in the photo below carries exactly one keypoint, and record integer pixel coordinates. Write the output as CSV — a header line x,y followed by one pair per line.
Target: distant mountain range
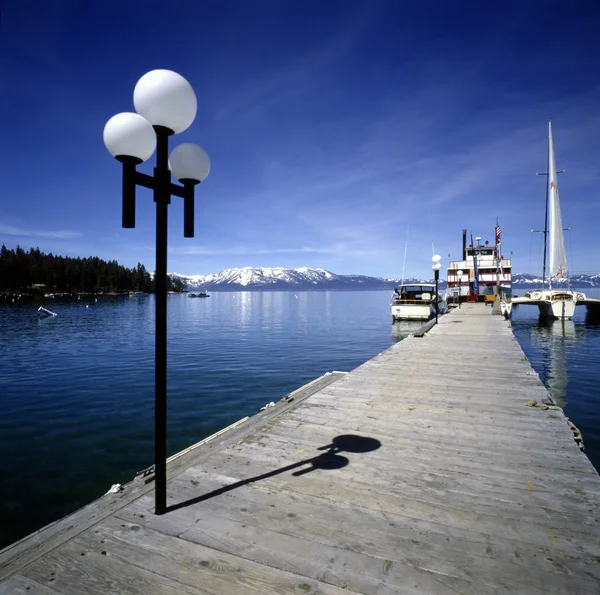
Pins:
x,y
523,280
280,279
304,278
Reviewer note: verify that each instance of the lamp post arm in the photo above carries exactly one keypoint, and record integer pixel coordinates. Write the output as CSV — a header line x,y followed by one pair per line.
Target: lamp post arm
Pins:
x,y
144,180
133,178
129,183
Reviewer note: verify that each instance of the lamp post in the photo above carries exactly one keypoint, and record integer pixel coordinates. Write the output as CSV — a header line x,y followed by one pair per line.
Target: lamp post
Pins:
x,y
165,104
437,265
459,274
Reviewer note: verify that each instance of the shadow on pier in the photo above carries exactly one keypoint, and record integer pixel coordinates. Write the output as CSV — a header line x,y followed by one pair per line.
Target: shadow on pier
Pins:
x,y
330,459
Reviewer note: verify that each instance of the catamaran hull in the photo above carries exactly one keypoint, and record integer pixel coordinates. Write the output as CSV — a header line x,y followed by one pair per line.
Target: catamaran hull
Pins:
x,y
557,309
552,303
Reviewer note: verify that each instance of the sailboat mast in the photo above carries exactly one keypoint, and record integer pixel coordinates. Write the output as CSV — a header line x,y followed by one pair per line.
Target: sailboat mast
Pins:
x,y
546,214
405,250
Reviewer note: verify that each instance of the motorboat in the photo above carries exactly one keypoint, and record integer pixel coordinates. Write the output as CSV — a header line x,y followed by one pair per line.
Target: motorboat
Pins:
x,y
415,301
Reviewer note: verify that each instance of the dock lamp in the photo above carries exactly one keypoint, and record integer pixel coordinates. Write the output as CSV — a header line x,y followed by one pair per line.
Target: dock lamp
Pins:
x,y
165,104
437,265
459,274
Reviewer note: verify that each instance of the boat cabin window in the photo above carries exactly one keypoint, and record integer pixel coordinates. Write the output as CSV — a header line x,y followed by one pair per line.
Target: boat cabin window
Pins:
x,y
480,251
416,292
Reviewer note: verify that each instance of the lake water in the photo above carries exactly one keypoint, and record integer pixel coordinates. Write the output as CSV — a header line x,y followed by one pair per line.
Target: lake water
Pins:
x,y
77,390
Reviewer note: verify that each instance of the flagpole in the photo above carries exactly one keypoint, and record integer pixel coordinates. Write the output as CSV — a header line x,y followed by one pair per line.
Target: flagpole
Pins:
x,y
497,308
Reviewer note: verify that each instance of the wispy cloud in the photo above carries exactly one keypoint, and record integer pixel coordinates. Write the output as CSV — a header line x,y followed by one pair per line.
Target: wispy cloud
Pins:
x,y
301,74
335,249
12,230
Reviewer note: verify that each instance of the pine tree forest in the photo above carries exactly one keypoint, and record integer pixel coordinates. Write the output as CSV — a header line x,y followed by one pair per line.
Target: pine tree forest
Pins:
x,y
35,272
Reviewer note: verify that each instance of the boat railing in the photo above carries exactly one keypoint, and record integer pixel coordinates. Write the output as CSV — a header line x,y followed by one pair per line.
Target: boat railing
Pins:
x,y
400,301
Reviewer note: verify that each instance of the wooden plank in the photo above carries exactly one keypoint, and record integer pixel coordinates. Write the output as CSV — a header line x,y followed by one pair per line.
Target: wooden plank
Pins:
x,y
487,480
74,569
193,564
280,539
21,585
337,565
459,508
321,513
451,458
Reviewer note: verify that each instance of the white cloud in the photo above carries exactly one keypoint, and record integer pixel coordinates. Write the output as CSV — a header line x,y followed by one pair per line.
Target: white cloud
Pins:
x,y
12,230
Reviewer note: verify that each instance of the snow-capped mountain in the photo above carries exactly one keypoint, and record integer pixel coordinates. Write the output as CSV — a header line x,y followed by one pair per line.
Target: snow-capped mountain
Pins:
x,y
304,278
281,279
526,280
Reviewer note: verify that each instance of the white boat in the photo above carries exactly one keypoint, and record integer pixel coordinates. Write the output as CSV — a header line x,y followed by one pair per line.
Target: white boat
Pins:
x,y
482,274
415,301
554,302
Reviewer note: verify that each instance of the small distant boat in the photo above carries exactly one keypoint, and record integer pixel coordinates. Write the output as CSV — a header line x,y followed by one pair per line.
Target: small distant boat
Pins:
x,y
137,294
44,312
199,295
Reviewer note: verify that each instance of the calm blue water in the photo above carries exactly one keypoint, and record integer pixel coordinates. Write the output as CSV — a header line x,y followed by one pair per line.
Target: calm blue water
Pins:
x,y
77,390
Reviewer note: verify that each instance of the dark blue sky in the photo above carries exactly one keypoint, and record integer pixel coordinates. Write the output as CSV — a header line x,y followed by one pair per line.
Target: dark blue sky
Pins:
x,y
333,128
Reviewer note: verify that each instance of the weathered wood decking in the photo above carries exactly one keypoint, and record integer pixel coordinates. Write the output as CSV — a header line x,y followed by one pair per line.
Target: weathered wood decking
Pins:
x,y
455,487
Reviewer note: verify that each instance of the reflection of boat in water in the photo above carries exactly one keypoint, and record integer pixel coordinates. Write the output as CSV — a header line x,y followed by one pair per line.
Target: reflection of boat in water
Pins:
x,y
404,328
555,338
415,301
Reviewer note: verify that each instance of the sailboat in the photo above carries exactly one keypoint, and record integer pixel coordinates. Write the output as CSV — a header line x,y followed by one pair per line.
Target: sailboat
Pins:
x,y
553,303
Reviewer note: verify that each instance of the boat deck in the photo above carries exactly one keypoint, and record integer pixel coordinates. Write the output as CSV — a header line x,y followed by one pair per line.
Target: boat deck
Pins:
x,y
592,304
422,471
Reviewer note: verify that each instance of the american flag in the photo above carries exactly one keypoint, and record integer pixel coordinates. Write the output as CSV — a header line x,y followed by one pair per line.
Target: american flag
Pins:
x,y
498,234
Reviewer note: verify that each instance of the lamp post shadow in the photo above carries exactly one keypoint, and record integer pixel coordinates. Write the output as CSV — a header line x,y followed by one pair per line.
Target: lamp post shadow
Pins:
x,y
329,460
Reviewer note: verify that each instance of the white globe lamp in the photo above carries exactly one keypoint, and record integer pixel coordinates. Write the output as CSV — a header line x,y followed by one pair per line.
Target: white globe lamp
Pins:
x,y
189,163
165,99
129,135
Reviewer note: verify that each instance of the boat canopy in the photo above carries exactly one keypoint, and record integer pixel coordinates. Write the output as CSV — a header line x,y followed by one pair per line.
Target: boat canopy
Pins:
x,y
417,287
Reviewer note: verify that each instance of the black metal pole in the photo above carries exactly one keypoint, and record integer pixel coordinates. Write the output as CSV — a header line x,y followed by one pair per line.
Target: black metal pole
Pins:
x,y
160,183
162,197
436,275
459,281
546,215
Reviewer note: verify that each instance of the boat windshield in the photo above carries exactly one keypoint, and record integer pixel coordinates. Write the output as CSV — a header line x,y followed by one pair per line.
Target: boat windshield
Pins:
x,y
414,293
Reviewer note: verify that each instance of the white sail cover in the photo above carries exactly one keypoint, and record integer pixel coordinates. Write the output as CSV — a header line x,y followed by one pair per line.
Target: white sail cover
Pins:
x,y
556,241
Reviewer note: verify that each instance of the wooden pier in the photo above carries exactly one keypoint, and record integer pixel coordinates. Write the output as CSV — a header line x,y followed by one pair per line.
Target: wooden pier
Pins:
x,y
425,470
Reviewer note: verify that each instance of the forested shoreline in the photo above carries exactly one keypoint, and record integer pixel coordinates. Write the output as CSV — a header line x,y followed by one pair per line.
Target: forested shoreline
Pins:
x,y
34,272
